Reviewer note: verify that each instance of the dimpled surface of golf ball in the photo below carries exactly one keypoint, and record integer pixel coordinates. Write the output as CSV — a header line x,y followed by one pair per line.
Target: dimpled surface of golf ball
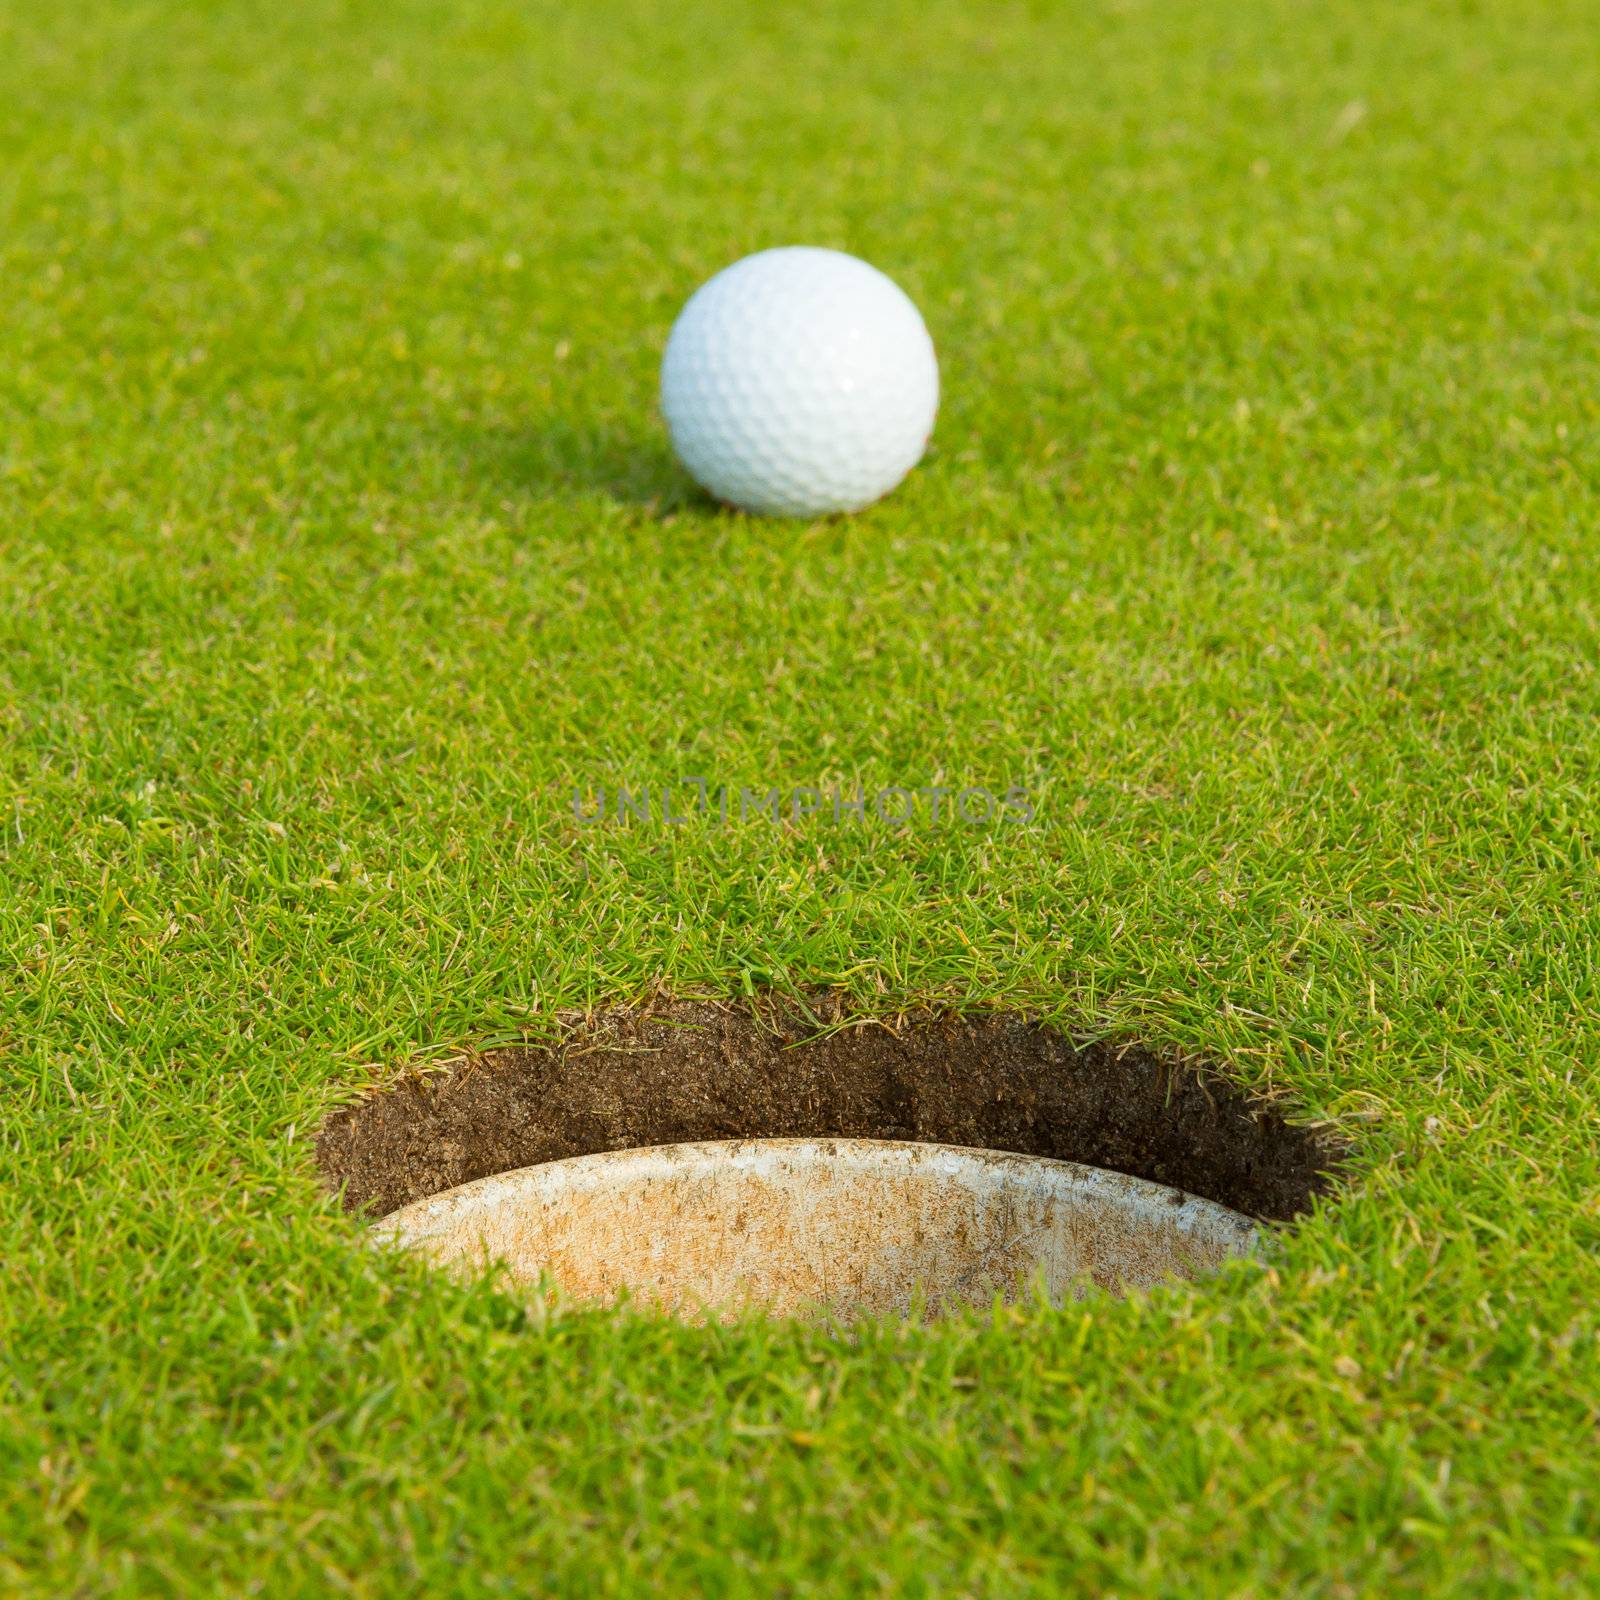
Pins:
x,y
799,382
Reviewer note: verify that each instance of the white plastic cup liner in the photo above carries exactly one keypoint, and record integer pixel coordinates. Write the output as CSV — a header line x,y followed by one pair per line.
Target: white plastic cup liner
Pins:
x,y
845,1227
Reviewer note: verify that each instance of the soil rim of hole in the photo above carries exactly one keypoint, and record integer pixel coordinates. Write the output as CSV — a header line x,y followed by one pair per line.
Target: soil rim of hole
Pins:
x,y
675,1071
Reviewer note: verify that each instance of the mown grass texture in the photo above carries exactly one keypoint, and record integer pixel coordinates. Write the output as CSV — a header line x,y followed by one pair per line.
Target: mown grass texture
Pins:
x,y
340,541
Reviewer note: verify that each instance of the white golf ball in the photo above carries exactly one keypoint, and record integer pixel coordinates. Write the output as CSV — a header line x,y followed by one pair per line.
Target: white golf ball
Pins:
x,y
798,382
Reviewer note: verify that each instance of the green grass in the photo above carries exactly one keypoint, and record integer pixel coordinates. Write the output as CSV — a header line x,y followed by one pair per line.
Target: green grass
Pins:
x,y
339,540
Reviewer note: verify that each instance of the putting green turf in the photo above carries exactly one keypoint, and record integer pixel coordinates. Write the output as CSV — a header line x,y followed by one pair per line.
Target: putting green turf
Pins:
x,y
339,540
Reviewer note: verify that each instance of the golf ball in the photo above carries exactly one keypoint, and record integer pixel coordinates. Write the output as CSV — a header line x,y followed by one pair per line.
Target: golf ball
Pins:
x,y
798,382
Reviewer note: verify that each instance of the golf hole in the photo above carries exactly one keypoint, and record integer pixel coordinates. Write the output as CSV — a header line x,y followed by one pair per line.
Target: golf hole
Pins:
x,y
709,1158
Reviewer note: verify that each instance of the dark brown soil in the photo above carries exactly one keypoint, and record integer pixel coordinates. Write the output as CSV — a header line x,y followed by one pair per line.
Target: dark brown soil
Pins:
x,y
683,1070
696,1069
